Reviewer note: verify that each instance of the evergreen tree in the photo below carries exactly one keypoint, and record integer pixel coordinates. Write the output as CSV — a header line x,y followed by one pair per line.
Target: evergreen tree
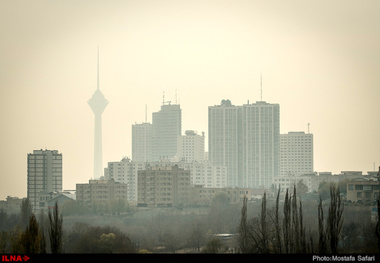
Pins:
x,y
55,230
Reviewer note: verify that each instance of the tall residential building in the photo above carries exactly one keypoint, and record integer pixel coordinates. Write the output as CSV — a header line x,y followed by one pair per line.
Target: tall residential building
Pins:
x,y
225,139
261,144
191,146
142,140
246,140
296,154
98,103
166,128
44,175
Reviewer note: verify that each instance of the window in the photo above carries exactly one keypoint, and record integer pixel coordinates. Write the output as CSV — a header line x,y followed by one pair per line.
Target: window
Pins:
x,y
358,187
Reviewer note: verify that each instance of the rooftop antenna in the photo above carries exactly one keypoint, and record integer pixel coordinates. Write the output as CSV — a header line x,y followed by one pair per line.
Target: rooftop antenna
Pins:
x,y
98,71
163,97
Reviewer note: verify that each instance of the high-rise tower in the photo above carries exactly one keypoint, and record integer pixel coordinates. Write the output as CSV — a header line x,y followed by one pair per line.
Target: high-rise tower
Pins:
x,y
246,140
98,103
166,129
44,175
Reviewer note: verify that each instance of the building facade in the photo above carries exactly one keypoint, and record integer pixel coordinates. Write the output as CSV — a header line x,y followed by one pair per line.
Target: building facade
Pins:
x,y
125,172
44,174
246,140
364,191
191,147
225,139
142,141
100,192
201,173
296,154
167,124
164,186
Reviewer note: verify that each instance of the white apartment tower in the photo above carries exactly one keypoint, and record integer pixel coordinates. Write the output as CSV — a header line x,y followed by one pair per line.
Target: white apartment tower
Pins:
x,y
44,175
125,172
224,138
142,135
261,144
296,154
166,128
191,146
246,140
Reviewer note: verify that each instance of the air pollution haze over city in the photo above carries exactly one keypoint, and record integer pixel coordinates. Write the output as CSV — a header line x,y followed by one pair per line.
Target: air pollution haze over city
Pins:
x,y
319,61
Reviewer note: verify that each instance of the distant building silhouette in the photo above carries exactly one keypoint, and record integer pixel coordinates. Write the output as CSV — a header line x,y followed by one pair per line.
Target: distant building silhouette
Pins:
x,y
246,140
44,176
167,124
98,103
142,142
191,146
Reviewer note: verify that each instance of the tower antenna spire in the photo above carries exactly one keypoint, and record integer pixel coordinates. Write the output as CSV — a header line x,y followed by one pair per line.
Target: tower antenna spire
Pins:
x,y
98,71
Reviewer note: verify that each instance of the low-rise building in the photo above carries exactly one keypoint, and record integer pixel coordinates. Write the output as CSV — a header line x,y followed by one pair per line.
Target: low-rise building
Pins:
x,y
11,205
361,190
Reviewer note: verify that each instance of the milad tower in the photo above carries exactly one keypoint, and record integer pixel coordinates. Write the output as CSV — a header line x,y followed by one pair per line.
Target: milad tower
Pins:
x,y
98,103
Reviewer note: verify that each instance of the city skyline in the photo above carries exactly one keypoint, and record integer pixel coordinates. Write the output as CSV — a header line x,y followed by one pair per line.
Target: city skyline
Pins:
x,y
320,62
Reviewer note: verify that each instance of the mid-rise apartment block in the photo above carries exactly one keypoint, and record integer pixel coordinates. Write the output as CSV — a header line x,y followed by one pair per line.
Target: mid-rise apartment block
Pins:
x,y
100,191
162,186
125,172
44,174
201,173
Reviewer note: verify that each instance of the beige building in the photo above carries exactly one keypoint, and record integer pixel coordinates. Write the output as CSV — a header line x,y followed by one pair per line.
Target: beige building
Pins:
x,y
296,154
44,175
164,186
365,191
100,192
191,147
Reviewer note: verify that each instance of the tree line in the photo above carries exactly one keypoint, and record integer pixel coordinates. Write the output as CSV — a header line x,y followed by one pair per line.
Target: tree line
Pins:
x,y
272,225
283,229
28,235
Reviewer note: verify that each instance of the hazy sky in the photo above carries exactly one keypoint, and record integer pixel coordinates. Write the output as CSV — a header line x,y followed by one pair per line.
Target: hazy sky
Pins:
x,y
320,60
